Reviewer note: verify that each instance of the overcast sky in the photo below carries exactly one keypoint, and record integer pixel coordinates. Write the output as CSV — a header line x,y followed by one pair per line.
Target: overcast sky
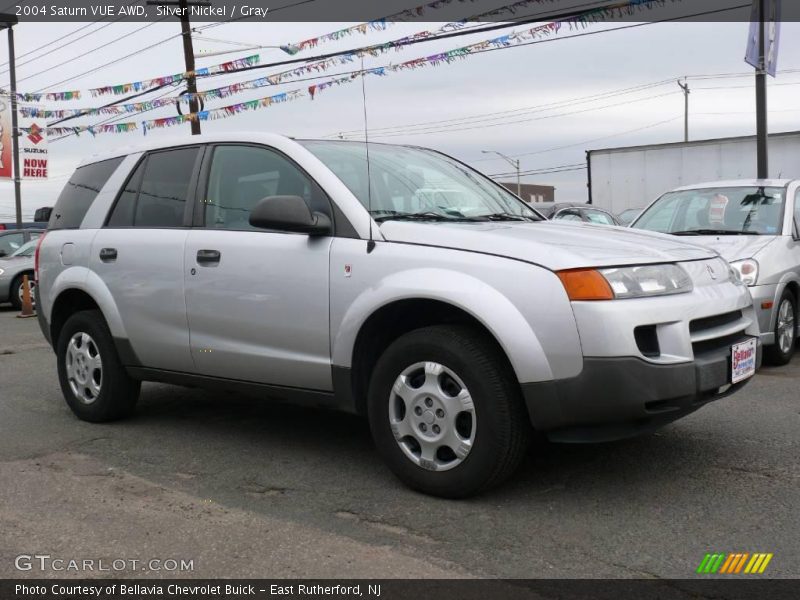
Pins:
x,y
517,78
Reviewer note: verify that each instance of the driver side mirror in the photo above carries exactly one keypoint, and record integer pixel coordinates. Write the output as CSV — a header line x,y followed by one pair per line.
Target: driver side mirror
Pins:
x,y
289,213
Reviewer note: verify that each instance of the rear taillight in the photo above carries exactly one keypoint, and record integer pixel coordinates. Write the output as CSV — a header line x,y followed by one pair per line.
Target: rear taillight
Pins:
x,y
2,226
36,256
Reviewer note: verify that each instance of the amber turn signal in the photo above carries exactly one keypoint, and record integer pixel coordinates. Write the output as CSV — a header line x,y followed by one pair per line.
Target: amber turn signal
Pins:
x,y
585,284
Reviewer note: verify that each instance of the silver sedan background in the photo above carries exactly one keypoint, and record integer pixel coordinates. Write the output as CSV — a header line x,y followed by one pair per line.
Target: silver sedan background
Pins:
x,y
12,269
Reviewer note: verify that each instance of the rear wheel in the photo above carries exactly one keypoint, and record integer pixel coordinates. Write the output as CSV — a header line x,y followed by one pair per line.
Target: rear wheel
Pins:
x,y
94,383
781,352
446,412
16,294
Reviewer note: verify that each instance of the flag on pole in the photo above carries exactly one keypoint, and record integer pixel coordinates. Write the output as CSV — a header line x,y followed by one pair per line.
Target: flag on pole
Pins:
x,y
772,22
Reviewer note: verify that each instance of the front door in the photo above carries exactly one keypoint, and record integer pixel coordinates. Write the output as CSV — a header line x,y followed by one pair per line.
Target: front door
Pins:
x,y
256,300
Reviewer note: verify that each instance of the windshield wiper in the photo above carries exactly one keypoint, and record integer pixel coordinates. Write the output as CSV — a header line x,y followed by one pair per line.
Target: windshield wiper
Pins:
x,y
420,216
503,216
713,232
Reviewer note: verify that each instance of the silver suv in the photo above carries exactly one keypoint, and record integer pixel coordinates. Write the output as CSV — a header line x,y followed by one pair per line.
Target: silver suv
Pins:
x,y
335,274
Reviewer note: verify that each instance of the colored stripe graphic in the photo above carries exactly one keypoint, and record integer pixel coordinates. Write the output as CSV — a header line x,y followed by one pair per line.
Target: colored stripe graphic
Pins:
x,y
733,563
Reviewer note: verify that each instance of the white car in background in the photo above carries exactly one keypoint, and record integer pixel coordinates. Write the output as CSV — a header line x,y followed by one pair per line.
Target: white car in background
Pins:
x,y
755,225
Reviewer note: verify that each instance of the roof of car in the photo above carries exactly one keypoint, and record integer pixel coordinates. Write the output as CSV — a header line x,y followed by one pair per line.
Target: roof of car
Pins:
x,y
738,183
185,140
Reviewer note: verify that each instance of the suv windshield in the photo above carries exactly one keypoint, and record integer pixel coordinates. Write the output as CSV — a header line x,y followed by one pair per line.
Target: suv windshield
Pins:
x,y
419,184
717,211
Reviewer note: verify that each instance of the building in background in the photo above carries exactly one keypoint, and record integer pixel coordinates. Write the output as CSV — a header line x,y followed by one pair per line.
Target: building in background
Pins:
x,y
532,192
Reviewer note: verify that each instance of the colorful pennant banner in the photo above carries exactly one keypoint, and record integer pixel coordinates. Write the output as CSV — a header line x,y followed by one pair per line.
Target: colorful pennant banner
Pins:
x,y
510,39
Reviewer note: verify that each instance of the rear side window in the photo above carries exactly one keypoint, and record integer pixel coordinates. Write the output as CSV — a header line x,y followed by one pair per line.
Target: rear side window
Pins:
x,y
156,193
79,193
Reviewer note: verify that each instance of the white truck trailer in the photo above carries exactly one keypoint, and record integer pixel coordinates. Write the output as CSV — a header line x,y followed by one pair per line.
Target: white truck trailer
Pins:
x,y
632,177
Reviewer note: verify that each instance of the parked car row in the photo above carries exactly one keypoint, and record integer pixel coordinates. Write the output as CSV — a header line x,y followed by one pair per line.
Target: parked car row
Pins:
x,y
392,282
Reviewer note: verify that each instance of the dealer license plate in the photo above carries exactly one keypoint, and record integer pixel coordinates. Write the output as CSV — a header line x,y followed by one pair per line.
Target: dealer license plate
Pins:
x,y
743,360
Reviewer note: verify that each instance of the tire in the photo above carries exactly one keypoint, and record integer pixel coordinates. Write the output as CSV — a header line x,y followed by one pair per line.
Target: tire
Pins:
x,y
16,290
455,378
95,391
781,352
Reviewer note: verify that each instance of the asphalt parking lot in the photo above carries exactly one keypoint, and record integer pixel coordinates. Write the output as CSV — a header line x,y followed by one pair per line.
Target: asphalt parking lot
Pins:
x,y
252,489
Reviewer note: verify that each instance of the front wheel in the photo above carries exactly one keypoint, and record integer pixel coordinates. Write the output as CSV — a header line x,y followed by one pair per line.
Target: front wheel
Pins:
x,y
781,352
446,411
94,383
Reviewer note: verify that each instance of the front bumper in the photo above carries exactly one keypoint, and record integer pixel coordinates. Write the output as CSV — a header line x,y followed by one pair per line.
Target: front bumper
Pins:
x,y
615,398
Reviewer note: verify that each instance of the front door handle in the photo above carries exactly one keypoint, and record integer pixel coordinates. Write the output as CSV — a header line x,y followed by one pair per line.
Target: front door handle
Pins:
x,y
108,254
208,257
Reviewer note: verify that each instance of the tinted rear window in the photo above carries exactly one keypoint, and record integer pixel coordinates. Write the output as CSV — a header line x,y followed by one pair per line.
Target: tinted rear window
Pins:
x,y
79,193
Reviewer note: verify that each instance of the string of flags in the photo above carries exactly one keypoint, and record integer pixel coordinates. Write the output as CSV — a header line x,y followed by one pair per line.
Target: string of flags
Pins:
x,y
434,60
376,25
273,79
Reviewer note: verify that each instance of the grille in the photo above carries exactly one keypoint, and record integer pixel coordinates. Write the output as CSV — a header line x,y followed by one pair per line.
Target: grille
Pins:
x,y
699,325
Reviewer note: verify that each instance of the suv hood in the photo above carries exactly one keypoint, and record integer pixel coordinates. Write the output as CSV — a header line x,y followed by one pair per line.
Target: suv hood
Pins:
x,y
551,244
735,247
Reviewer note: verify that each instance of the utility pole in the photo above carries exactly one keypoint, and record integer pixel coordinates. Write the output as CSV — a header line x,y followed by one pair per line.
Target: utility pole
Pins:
x,y
685,87
761,94
513,162
188,53
8,21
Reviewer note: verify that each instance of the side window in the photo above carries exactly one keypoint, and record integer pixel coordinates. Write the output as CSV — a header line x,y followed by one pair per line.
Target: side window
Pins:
x,y
165,188
79,193
598,216
125,207
241,176
10,243
568,215
155,194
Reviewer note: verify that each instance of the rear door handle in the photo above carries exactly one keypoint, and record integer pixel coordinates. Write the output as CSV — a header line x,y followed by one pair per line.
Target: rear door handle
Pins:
x,y
208,257
108,254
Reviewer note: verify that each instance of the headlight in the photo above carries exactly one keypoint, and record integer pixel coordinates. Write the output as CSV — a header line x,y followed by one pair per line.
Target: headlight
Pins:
x,y
647,280
625,282
747,270
1,271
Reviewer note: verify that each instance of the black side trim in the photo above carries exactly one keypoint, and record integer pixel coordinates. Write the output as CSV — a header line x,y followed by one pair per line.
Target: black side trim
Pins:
x,y
127,355
261,390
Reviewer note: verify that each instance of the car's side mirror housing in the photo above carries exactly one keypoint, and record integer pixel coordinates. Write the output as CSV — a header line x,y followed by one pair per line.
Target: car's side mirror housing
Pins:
x,y
289,213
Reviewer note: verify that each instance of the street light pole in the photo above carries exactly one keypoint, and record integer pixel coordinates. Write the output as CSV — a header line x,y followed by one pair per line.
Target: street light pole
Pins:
x,y
8,21
513,162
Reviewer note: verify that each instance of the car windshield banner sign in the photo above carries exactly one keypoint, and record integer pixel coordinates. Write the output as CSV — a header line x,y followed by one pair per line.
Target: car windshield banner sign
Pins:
x,y
773,30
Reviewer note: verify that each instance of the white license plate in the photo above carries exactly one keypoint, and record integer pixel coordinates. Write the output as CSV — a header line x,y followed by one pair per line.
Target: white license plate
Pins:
x,y
743,360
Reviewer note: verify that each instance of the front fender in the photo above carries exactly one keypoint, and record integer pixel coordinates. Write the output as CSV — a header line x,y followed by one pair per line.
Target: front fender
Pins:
x,y
485,303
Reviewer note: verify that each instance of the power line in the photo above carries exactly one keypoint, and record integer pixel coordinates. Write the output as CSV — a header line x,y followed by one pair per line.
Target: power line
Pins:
x,y
516,111
35,58
584,142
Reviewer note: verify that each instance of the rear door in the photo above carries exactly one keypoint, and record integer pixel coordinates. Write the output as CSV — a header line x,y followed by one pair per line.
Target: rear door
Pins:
x,y
257,300
139,255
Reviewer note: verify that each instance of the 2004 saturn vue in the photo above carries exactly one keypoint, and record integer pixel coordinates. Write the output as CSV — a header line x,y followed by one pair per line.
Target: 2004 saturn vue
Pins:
x,y
427,298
